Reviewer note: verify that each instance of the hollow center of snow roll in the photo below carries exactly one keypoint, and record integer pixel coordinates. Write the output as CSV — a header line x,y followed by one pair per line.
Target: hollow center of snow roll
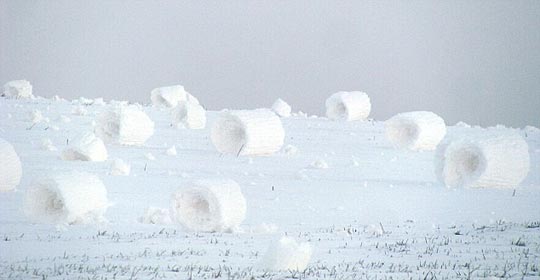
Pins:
x,y
232,136
339,110
52,204
404,133
196,210
465,165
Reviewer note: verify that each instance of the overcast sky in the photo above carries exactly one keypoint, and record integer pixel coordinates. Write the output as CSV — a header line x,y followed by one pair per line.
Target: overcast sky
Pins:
x,y
475,61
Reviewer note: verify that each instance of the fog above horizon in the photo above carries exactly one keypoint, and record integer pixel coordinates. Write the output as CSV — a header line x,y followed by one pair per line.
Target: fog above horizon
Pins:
x,y
472,61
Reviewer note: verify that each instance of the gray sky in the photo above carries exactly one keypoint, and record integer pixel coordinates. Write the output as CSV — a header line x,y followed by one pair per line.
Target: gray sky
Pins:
x,y
476,61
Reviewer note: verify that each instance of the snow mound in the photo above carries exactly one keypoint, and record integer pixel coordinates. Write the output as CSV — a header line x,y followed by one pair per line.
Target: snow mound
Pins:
x,y
416,131
18,89
189,115
287,254
209,206
10,167
281,108
171,151
319,164
69,198
124,124
157,216
86,147
348,105
171,96
248,132
120,168
500,161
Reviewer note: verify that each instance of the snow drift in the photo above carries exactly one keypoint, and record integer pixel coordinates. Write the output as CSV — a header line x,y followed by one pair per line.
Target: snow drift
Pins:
x,y
10,167
189,115
209,206
18,89
415,130
287,254
171,96
71,198
124,124
483,161
248,132
348,105
281,108
87,147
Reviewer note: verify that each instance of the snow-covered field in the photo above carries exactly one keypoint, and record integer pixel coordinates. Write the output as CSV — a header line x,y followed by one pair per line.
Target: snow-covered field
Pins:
x,y
369,211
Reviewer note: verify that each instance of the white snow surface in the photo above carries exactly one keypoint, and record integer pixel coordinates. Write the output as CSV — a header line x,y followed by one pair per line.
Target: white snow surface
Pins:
x,y
385,216
417,131
348,106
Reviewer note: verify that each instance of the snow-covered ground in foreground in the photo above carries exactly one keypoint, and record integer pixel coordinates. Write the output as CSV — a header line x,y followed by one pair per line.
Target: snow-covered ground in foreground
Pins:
x,y
375,213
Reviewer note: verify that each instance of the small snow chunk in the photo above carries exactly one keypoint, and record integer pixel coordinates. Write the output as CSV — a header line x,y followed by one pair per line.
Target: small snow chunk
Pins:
x,y
287,254
157,216
462,124
290,150
281,108
79,110
149,156
120,168
171,151
319,164
35,116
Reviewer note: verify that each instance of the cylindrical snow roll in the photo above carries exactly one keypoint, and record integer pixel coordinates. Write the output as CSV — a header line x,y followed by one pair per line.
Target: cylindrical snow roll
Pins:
x,y
415,130
248,132
209,206
71,198
86,148
500,161
189,115
287,254
348,105
124,124
281,108
18,89
10,167
171,96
